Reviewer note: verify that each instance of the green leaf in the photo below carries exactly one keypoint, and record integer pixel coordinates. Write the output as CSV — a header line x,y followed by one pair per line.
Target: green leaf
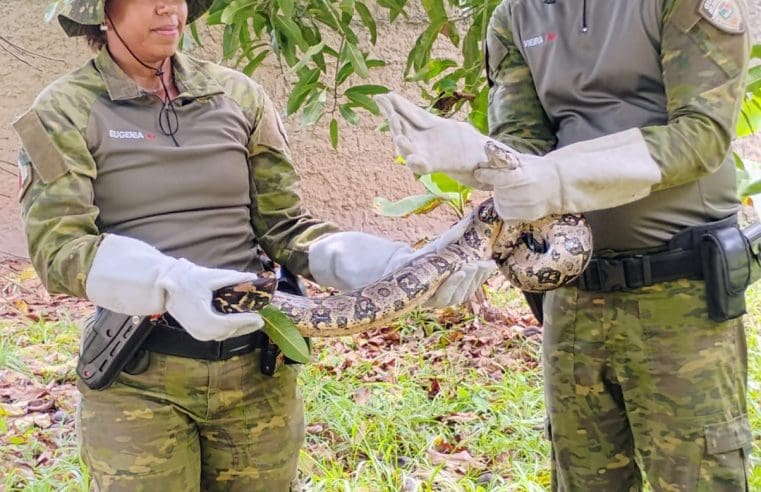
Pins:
x,y
230,40
286,6
313,109
253,64
325,13
194,33
739,164
290,30
436,11
368,20
367,89
307,57
230,15
752,188
415,204
347,7
755,52
363,100
284,333
357,60
750,115
334,133
301,90
441,185
395,8
432,69
348,114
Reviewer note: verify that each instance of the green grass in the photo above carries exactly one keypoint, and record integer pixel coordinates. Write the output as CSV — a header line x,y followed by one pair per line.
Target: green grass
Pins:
x,y
416,411
383,440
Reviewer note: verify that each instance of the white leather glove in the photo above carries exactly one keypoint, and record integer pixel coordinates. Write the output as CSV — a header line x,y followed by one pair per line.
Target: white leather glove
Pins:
x,y
351,260
591,175
429,143
460,285
131,277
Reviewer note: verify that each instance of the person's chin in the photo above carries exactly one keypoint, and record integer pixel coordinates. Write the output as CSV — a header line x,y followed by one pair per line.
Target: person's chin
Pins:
x,y
161,51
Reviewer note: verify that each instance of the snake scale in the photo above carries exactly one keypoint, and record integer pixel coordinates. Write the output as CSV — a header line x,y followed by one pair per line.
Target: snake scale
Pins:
x,y
534,256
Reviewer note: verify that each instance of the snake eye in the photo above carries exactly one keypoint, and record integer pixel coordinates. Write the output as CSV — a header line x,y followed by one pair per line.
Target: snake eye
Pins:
x,y
535,245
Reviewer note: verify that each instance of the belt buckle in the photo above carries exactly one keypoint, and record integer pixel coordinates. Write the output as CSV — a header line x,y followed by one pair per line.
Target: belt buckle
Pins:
x,y
611,275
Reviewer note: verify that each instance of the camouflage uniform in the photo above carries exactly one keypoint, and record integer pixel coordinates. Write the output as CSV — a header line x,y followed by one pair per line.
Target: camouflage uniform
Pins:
x,y
641,380
96,162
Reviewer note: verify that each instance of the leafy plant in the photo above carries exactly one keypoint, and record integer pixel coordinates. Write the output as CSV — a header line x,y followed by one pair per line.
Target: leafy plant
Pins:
x,y
323,43
749,173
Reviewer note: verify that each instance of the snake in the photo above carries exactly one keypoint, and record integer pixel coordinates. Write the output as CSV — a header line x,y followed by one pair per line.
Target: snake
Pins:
x,y
534,256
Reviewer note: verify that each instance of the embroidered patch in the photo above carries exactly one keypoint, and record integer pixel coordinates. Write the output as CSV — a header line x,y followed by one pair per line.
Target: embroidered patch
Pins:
x,y
724,14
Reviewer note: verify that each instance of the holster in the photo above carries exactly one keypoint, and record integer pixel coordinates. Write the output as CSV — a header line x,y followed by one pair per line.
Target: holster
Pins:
x,y
110,345
731,261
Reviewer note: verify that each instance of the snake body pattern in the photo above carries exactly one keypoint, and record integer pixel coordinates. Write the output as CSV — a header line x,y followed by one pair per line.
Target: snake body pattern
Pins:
x,y
534,256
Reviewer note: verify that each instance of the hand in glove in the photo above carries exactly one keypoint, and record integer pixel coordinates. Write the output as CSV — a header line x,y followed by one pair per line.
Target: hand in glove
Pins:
x,y
591,175
460,285
131,277
595,174
350,260
429,143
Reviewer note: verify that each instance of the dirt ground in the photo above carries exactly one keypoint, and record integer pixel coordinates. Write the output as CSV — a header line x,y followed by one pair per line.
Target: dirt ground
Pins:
x,y
338,185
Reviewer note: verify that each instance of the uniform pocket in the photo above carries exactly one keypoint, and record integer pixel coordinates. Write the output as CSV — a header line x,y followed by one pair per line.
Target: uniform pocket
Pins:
x,y
724,437
724,466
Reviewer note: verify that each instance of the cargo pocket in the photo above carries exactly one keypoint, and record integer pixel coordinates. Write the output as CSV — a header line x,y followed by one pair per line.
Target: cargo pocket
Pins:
x,y
724,466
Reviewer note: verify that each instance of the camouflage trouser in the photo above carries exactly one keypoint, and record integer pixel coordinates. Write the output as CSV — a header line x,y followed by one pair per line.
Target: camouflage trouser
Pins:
x,y
188,425
643,381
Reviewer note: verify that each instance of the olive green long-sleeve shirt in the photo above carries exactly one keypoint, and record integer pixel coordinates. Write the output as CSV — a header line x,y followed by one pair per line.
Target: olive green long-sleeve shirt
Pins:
x,y
95,161
568,71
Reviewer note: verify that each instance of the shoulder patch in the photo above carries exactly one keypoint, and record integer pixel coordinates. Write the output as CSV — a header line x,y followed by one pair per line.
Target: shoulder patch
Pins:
x,y
45,155
724,14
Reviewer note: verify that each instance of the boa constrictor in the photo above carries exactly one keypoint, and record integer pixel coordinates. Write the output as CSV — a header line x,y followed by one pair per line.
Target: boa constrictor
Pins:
x,y
534,256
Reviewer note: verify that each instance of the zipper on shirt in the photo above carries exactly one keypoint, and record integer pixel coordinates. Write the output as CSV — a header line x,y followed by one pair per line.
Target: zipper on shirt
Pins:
x,y
584,27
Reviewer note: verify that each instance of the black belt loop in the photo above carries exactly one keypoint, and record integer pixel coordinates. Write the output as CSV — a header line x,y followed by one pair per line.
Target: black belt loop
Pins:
x,y
647,271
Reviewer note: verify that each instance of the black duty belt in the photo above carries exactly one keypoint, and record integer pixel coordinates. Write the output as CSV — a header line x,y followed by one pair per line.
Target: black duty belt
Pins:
x,y
168,337
681,261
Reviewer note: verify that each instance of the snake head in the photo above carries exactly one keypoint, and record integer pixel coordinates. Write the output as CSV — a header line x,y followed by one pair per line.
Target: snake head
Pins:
x,y
500,156
247,296
486,212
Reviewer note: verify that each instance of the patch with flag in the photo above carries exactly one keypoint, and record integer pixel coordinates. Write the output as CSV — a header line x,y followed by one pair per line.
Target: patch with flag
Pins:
x,y
724,14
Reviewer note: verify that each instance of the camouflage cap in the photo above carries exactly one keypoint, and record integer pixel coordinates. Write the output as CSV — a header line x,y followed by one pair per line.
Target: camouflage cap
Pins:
x,y
76,14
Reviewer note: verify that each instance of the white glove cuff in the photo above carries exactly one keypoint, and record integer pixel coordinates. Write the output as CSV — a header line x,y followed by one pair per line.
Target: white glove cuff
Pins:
x,y
350,260
123,276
